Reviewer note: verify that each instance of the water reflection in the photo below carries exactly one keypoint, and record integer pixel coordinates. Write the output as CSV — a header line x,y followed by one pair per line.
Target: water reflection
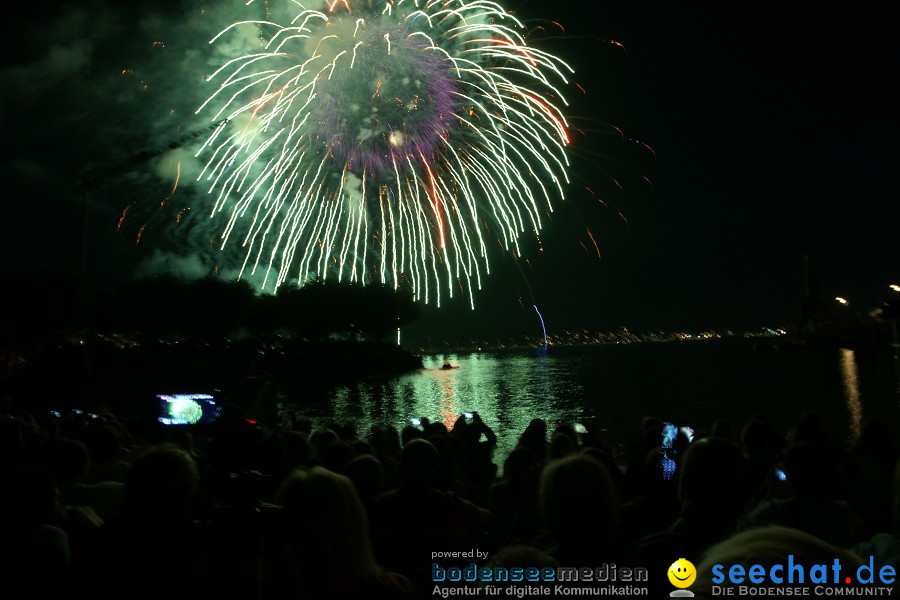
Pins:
x,y
850,379
447,408
688,384
507,391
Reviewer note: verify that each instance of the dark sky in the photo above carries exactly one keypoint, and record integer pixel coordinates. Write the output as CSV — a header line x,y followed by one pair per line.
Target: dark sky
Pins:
x,y
773,131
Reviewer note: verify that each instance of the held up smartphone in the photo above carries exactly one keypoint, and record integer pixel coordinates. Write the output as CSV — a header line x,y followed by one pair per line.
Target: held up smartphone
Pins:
x,y
667,463
187,409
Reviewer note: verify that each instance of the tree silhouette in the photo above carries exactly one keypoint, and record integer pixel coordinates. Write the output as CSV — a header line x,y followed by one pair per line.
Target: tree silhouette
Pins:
x,y
38,305
321,309
46,305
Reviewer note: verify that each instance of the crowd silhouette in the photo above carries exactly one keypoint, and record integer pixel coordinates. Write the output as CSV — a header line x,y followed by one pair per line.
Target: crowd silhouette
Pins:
x,y
108,505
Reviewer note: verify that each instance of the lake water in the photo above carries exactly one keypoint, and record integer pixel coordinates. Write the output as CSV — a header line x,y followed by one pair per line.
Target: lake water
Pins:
x,y
687,383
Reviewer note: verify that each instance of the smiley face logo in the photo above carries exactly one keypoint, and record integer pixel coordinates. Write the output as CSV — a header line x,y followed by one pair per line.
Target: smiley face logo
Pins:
x,y
682,573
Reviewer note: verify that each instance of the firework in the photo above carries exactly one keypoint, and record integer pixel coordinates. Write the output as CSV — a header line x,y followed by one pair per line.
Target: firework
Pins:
x,y
384,141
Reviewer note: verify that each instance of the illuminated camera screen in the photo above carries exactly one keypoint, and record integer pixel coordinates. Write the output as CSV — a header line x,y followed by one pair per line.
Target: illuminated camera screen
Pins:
x,y
187,409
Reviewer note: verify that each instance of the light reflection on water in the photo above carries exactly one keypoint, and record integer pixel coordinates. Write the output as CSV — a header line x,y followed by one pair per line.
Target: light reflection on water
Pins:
x,y
850,377
507,391
690,383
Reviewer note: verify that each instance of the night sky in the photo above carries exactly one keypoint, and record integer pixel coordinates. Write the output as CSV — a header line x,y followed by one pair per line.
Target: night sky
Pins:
x,y
714,146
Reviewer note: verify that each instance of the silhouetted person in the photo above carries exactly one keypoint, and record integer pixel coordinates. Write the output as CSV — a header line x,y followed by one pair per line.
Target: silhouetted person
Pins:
x,y
70,462
325,552
155,550
722,429
655,505
762,447
812,504
299,452
561,445
474,456
648,441
535,439
769,546
519,555
35,558
337,455
514,499
413,521
579,508
386,441
713,491
104,445
367,476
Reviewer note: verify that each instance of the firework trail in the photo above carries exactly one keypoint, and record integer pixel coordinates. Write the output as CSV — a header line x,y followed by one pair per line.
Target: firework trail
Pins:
x,y
379,141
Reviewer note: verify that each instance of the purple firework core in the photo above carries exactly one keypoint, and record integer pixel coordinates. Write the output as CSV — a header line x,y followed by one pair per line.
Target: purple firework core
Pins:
x,y
388,106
